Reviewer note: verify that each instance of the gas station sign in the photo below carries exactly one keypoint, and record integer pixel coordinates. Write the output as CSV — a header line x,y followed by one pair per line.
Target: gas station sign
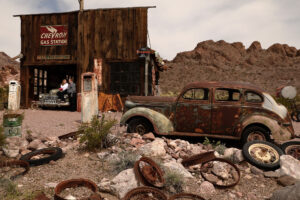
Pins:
x,y
54,35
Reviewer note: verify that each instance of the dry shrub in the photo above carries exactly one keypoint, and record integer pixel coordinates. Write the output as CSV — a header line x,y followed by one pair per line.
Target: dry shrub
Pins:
x,y
2,137
94,135
125,160
174,181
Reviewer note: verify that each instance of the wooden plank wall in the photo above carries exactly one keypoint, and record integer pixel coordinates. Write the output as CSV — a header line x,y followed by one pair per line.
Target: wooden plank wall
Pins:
x,y
112,34
30,38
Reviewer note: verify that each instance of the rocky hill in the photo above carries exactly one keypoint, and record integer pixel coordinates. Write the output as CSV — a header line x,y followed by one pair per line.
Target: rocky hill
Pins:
x,y
9,69
221,61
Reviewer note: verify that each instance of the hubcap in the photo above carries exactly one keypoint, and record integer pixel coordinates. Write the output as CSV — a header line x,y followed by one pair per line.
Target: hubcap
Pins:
x,y
256,136
140,129
263,153
293,150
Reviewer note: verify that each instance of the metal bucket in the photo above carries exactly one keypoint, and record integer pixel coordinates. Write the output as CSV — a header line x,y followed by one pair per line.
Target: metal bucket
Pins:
x,y
12,124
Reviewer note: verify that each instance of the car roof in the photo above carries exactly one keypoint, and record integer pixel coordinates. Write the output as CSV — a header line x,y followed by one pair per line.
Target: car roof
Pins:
x,y
224,84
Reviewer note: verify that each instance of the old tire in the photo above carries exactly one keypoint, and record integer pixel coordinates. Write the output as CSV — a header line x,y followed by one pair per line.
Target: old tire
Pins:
x,y
292,148
54,153
139,125
262,154
255,133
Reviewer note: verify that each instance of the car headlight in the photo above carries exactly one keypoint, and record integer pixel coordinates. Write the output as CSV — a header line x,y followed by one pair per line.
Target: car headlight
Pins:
x,y
40,96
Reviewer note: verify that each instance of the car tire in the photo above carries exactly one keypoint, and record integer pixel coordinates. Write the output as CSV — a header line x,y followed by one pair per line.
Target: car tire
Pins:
x,y
262,132
55,153
138,125
274,152
291,148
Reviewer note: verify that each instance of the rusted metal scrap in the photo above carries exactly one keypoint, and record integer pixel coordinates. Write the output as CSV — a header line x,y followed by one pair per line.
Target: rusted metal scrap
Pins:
x,y
145,193
186,196
149,173
198,159
73,183
204,159
12,163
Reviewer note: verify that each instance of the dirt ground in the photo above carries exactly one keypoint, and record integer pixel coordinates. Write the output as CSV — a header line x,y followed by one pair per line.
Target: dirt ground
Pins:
x,y
80,164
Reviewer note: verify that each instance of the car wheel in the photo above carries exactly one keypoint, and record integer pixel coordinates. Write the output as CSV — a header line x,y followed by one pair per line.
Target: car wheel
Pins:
x,y
262,154
139,126
255,133
292,148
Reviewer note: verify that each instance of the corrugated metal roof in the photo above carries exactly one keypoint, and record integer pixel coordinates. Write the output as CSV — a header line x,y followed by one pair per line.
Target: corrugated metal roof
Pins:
x,y
76,11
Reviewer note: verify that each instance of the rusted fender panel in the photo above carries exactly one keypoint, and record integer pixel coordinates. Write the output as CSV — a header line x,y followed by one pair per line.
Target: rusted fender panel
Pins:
x,y
151,99
160,122
278,133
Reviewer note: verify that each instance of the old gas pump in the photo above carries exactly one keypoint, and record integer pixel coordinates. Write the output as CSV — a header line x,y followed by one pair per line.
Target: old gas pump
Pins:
x,y
89,97
14,95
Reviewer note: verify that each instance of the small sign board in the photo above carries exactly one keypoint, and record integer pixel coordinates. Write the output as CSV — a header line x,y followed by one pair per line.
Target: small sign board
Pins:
x,y
53,57
54,35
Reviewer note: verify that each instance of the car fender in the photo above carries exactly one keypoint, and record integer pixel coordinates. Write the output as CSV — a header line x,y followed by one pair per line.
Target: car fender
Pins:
x,y
278,133
161,124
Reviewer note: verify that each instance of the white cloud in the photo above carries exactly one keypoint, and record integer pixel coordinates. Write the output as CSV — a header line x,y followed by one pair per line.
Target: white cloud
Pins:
x,y
177,25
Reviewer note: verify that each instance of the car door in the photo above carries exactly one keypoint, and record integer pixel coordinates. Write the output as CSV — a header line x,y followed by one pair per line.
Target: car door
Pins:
x,y
193,111
226,110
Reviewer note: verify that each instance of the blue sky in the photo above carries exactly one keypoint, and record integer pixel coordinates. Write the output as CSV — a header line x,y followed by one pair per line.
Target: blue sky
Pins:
x,y
177,25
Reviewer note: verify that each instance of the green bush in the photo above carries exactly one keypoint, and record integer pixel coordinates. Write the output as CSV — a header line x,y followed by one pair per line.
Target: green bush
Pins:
x,y
125,160
2,137
94,135
174,181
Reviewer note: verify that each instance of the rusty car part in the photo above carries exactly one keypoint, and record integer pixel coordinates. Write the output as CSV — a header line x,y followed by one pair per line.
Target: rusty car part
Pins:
x,y
72,135
198,159
54,153
236,178
292,148
145,193
207,157
149,173
262,154
20,163
110,102
74,183
186,196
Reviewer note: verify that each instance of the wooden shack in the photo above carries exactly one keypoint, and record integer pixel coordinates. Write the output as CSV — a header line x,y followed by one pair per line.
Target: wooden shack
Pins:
x,y
61,45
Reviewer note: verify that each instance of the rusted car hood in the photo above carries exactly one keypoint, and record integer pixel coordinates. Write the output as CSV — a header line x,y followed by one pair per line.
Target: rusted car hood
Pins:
x,y
151,99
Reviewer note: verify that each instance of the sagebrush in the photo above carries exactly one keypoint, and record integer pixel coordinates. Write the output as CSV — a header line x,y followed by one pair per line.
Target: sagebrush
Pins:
x,y
125,160
174,181
94,135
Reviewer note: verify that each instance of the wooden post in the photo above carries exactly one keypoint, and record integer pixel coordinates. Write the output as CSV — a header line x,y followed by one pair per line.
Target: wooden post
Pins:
x,y
81,4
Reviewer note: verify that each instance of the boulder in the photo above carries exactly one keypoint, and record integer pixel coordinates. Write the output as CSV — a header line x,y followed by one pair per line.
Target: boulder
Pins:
x,y
123,182
206,189
104,185
137,142
35,144
290,166
221,169
287,193
149,136
154,149
11,152
255,46
177,167
286,180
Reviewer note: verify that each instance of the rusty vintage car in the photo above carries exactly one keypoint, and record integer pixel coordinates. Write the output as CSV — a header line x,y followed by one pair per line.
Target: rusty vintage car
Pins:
x,y
229,110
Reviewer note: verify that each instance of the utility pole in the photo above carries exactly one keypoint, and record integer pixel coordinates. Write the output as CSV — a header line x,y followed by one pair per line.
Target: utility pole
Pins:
x,y
81,4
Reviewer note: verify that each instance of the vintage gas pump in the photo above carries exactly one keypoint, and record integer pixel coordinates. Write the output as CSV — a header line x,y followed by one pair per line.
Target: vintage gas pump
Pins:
x,y
14,95
89,97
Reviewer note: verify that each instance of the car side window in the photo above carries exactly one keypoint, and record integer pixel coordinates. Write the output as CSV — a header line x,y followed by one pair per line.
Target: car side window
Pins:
x,y
253,97
196,94
224,94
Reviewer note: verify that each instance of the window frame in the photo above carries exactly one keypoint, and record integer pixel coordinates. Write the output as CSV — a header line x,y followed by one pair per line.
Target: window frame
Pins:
x,y
206,94
248,91
230,97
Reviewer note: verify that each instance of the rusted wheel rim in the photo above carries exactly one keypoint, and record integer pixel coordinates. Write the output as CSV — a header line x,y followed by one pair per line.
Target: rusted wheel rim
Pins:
x,y
257,135
293,150
150,173
186,196
145,193
263,153
140,129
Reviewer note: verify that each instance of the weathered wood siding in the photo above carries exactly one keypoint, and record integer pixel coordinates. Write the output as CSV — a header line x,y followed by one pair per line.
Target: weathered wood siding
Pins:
x,y
30,38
